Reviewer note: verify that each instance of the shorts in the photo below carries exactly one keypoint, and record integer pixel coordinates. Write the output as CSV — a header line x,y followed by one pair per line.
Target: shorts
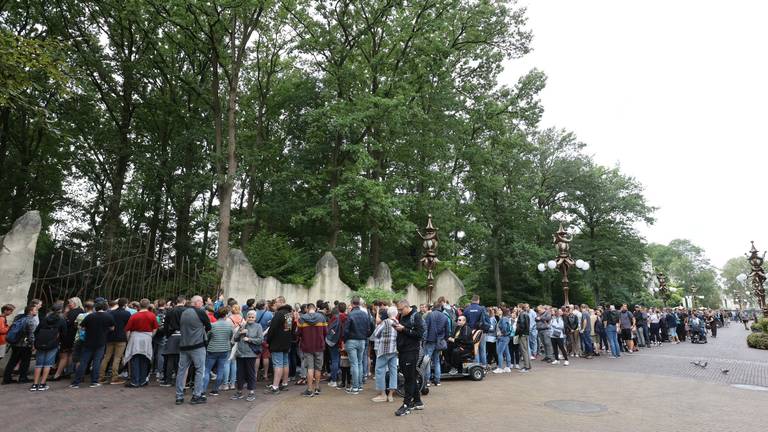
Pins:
x,y
313,361
265,354
45,359
672,331
626,334
279,360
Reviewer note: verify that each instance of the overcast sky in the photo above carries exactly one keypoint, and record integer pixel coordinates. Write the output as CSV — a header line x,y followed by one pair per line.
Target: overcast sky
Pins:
x,y
675,93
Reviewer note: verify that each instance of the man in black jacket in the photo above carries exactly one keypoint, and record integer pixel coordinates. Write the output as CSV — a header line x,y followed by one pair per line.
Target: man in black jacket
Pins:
x,y
279,339
410,331
522,330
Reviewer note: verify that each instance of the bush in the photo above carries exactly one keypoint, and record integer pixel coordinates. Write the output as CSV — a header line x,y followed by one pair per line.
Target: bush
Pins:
x,y
762,324
372,294
758,341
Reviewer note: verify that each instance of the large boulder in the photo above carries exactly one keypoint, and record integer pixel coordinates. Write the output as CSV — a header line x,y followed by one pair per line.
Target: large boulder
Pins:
x,y
382,279
448,285
327,285
17,257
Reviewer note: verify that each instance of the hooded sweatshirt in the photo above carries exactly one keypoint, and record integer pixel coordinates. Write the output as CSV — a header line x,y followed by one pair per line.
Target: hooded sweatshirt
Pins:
x,y
312,330
281,330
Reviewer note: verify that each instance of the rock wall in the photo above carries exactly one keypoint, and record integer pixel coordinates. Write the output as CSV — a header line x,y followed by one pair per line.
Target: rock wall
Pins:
x,y
447,285
382,279
17,256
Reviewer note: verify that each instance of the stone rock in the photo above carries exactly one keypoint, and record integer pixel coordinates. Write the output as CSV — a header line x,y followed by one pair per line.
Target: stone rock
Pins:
x,y
327,285
448,285
17,257
414,295
382,279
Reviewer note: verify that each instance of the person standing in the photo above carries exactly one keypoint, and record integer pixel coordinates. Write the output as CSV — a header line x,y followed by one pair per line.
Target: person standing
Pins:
x,y
193,326
116,341
21,338
410,330
248,337
503,333
97,326
140,329
279,340
73,310
437,326
172,330
477,319
5,312
543,318
522,332
557,328
359,327
335,340
218,351
48,335
312,329
385,345
585,329
611,321
627,324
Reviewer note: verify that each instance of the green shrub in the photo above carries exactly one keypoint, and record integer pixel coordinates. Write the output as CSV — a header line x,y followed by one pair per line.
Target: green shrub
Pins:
x,y
762,324
375,293
758,340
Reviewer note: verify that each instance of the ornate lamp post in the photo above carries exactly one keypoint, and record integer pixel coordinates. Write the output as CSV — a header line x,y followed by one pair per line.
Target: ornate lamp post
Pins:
x,y
429,261
693,296
757,275
563,261
664,292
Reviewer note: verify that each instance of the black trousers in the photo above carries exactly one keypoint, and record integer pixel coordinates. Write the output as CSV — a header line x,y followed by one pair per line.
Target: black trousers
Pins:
x,y
22,356
408,362
170,366
246,373
559,343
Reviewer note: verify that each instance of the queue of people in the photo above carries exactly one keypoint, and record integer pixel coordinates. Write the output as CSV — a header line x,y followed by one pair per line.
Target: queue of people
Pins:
x,y
205,347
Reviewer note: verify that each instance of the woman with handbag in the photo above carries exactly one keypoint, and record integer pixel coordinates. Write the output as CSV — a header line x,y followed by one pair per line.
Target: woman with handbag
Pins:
x,y
248,337
558,336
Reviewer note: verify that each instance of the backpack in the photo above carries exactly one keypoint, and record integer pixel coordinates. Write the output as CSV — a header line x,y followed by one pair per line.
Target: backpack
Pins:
x,y
16,332
47,337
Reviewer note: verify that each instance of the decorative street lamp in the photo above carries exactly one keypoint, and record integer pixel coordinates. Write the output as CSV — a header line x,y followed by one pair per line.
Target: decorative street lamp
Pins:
x,y
757,275
563,261
693,296
664,292
429,261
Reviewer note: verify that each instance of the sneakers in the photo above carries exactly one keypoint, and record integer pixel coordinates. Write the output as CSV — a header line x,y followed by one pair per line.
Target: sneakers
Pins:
x,y
251,396
33,388
308,393
117,382
74,386
165,384
353,391
565,363
272,390
43,387
198,400
498,371
554,362
317,392
213,392
453,371
380,398
332,384
507,370
418,405
283,387
179,401
403,410
236,396
524,370
517,366
94,385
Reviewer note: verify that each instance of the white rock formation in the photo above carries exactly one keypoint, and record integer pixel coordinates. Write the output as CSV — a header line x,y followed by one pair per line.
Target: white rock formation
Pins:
x,y
448,285
382,279
17,257
327,285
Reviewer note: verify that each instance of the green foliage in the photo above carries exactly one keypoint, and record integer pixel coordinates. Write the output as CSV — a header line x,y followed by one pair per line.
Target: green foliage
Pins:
x,y
275,255
686,265
761,325
758,341
371,294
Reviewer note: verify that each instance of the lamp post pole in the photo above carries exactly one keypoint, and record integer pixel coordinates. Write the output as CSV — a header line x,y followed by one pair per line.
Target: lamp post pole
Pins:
x,y
563,262
663,289
757,275
693,296
429,261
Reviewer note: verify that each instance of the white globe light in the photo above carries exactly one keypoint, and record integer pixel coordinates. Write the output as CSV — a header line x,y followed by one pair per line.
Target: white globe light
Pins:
x,y
541,267
579,263
551,264
586,266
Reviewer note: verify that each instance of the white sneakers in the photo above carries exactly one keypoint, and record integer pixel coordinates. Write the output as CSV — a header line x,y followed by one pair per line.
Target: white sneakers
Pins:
x,y
565,363
498,371
554,362
332,384
507,370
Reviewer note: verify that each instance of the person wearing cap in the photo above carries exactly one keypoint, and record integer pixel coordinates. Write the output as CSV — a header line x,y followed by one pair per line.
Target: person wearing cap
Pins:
x,y
48,335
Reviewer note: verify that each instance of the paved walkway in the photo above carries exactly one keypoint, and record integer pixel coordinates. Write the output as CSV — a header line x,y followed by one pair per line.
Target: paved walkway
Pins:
x,y
654,389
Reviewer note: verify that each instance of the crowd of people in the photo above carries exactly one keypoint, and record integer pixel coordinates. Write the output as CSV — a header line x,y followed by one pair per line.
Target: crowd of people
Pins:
x,y
205,347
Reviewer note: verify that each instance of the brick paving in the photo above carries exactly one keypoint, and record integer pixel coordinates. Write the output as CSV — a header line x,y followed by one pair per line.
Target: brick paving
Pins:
x,y
645,391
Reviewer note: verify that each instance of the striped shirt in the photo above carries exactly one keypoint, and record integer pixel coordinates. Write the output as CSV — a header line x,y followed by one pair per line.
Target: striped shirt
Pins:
x,y
386,338
219,336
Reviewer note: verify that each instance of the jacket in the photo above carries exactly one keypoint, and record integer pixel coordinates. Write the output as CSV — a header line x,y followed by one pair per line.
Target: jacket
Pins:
x,y
255,336
280,332
523,324
336,328
4,327
194,325
436,325
359,325
312,331
409,340
542,321
474,314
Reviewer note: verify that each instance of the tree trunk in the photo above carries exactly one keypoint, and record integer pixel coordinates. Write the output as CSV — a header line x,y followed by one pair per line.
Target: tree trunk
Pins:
x,y
497,277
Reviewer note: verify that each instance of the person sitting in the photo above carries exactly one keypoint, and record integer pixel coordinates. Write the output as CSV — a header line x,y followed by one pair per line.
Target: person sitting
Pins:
x,y
462,345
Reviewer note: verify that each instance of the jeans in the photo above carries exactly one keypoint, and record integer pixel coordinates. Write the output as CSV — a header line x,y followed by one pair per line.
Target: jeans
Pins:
x,y
196,358
655,334
231,369
545,339
356,351
158,346
586,342
221,361
525,354
408,367
481,356
366,357
613,339
646,336
335,359
114,352
502,351
559,343
430,351
640,339
89,355
533,342
21,355
139,369
386,364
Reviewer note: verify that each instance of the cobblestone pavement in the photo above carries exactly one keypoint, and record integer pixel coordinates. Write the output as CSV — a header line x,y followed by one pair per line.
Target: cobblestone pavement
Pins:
x,y
655,388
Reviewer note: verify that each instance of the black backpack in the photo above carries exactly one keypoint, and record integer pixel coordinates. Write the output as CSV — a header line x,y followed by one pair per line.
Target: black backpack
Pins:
x,y
47,337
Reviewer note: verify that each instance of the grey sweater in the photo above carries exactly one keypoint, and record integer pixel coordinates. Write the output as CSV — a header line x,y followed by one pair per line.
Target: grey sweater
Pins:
x,y
194,324
254,334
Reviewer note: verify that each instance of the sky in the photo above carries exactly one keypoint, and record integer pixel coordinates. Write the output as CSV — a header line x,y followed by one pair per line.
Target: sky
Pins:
x,y
675,93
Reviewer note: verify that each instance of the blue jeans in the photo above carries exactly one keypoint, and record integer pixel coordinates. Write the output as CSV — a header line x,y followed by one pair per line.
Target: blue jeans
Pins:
x,y
481,356
430,351
533,342
586,342
613,339
386,363
221,361
196,358
356,351
139,369
335,359
88,356
365,362
231,376
502,351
